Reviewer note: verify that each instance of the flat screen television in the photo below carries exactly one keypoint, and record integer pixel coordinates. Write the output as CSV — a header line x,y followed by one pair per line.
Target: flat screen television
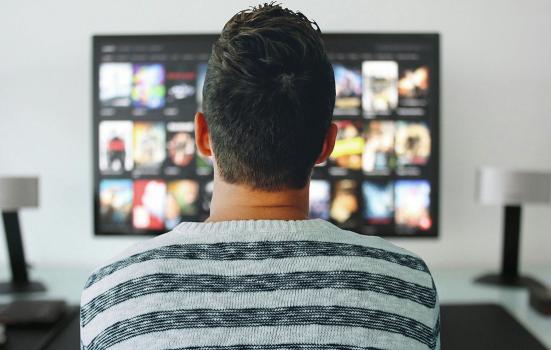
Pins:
x,y
381,179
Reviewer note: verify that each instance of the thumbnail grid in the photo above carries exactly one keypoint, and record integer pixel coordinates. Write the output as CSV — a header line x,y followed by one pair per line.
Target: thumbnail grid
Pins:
x,y
150,176
152,89
367,88
381,147
373,206
377,88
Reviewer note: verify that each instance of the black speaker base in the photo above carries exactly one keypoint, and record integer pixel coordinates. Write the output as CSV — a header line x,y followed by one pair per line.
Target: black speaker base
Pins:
x,y
11,288
509,281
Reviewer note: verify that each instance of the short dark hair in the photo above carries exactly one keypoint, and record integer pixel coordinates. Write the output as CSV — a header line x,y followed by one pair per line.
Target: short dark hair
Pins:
x,y
269,95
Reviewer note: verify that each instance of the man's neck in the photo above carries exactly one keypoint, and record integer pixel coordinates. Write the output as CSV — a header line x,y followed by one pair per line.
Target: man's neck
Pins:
x,y
238,202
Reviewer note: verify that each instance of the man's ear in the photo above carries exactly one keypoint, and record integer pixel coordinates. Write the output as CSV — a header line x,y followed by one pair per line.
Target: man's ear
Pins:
x,y
202,139
328,143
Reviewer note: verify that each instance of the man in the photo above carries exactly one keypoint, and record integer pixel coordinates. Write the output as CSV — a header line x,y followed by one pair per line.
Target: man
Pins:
x,y
258,274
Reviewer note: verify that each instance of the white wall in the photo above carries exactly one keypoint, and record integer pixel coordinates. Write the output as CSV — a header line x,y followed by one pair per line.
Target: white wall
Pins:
x,y
496,107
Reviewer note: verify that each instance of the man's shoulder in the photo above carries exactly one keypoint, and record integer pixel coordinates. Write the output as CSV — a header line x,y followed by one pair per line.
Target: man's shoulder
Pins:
x,y
393,263
405,275
326,240
120,267
377,246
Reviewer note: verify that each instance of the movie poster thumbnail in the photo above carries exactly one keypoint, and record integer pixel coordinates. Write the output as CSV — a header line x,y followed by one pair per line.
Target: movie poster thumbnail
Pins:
x,y
148,212
347,154
181,88
149,147
320,196
413,86
345,209
182,202
180,148
378,198
413,147
115,147
380,87
201,73
148,86
378,155
115,201
115,84
412,206
348,88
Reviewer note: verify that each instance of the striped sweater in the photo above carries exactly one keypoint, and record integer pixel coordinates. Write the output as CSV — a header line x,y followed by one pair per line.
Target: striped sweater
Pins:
x,y
252,285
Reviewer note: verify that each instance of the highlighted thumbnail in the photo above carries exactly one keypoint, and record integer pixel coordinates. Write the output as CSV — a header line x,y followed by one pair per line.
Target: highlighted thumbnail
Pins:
x,y
149,144
380,87
148,86
413,143
412,198
149,204
115,147
378,155
348,88
115,198
348,146
320,196
379,202
115,84
181,202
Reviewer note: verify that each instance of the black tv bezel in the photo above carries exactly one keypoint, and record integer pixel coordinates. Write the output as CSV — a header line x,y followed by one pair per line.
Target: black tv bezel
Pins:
x,y
431,38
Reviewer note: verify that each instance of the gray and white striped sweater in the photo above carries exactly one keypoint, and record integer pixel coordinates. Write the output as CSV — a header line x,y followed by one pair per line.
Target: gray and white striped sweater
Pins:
x,y
252,285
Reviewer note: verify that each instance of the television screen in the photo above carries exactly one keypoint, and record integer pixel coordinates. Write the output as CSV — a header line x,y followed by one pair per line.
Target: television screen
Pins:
x,y
381,179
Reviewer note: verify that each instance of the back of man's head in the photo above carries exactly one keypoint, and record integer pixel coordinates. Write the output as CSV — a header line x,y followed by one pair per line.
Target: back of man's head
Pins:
x,y
269,95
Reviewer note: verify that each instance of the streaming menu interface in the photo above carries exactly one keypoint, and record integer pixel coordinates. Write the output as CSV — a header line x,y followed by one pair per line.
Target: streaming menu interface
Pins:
x,y
381,179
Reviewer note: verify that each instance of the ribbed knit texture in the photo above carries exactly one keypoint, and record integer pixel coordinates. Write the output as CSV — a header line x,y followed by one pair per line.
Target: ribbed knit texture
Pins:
x,y
252,285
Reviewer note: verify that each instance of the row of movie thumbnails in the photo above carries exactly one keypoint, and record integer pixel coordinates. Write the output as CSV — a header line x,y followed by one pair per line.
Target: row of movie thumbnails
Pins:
x,y
367,206
372,147
365,88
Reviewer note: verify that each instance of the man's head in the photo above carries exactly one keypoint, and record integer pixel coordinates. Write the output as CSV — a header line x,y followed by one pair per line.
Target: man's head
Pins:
x,y
268,99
